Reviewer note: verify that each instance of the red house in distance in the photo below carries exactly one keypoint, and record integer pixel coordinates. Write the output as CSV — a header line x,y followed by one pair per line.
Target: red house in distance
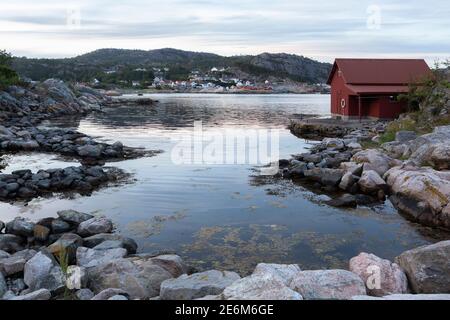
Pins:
x,y
368,88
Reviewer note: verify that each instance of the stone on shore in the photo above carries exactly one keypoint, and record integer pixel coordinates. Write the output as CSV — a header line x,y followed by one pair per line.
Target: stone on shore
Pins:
x,y
423,194
95,240
197,285
67,245
325,176
41,233
109,293
11,243
84,294
41,294
328,284
140,277
427,267
380,276
95,226
20,227
15,263
74,217
43,272
89,258
371,182
344,201
405,136
286,272
375,160
260,287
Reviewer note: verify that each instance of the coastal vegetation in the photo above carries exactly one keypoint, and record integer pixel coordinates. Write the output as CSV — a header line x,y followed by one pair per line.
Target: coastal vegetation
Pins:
x,y
8,76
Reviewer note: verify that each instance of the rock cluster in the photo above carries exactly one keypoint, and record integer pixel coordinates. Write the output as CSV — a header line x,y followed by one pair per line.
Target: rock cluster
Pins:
x,y
360,177
66,142
76,255
24,184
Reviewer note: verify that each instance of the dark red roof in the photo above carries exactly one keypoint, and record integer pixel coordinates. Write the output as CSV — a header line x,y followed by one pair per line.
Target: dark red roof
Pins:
x,y
380,71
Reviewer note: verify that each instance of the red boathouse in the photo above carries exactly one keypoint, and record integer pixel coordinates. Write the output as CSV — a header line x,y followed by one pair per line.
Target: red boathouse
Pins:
x,y
368,88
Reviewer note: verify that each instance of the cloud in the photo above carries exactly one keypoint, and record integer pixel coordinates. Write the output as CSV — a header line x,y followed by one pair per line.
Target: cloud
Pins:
x,y
321,29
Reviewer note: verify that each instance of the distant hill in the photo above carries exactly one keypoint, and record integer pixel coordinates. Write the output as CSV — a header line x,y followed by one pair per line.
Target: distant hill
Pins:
x,y
94,64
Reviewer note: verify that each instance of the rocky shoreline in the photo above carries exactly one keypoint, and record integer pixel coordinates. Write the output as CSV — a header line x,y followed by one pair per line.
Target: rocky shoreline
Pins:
x,y
410,171
22,109
77,256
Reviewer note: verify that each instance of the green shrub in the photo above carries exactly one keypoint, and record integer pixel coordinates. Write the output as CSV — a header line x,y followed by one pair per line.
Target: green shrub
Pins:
x,y
8,76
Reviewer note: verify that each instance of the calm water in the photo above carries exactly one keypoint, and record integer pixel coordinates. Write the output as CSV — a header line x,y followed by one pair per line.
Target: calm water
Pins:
x,y
221,216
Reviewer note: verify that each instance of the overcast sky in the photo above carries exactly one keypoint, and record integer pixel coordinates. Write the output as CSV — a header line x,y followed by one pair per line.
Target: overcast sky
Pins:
x,y
315,28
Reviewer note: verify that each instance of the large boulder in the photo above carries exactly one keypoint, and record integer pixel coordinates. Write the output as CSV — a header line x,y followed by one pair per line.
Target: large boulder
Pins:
x,y
74,217
11,243
371,182
20,227
43,272
90,151
66,245
432,149
380,276
15,263
89,258
260,287
422,194
427,267
375,160
197,285
140,277
325,176
328,284
95,240
286,272
405,136
95,226
41,294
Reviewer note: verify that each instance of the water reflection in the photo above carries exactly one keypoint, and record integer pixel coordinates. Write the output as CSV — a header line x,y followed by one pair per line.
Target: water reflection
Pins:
x,y
219,215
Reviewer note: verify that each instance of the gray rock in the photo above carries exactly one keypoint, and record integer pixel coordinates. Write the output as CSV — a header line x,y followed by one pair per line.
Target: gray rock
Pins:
x,y
427,267
4,254
95,226
344,201
325,176
381,276
16,262
328,284
197,285
347,181
74,217
110,292
260,287
118,297
422,194
375,160
11,243
286,272
41,294
20,227
371,182
60,226
128,243
109,244
3,286
2,226
405,136
140,277
84,294
43,272
172,263
89,258
91,151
